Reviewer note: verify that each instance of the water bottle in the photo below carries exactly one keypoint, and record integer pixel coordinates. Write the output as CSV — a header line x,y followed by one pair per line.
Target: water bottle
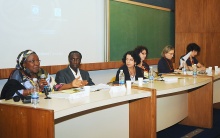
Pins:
x,y
121,78
35,93
146,74
184,67
151,74
194,70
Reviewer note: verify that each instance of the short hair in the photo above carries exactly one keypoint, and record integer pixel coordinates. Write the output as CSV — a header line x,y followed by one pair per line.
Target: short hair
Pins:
x,y
193,46
166,49
139,49
133,54
74,52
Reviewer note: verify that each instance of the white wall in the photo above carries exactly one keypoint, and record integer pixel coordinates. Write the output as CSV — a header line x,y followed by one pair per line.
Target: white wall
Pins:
x,y
52,29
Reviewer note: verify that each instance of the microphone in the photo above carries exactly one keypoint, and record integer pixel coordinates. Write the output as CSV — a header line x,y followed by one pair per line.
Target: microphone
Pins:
x,y
45,90
42,76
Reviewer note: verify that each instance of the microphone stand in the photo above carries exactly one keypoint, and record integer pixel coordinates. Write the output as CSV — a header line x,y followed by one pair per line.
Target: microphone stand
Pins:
x,y
46,92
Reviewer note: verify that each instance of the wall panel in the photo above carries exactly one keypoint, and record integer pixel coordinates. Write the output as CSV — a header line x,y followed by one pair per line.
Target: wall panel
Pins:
x,y
212,16
198,21
213,48
189,15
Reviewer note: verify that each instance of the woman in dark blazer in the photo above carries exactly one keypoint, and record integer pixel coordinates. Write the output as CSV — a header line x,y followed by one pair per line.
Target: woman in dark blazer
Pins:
x,y
131,71
165,64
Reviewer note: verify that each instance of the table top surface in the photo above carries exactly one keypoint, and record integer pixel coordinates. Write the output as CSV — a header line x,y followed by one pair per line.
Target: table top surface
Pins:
x,y
63,107
173,83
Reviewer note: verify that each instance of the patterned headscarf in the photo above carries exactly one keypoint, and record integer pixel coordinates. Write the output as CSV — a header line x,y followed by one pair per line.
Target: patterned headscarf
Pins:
x,y
22,57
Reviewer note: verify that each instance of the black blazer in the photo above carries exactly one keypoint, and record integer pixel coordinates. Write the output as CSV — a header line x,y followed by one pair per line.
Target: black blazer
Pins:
x,y
66,76
139,73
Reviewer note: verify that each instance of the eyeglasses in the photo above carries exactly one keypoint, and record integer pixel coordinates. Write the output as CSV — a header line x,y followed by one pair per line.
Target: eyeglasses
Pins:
x,y
171,53
34,61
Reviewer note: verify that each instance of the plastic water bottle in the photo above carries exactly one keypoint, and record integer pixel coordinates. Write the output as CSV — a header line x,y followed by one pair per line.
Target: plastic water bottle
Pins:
x,y
121,78
151,74
35,93
194,70
146,74
184,67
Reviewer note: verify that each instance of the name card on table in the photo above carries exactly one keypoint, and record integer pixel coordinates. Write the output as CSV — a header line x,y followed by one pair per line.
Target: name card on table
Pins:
x,y
117,91
70,95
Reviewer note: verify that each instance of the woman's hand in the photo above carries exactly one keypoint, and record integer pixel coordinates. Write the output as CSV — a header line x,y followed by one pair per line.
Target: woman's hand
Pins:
x,y
42,83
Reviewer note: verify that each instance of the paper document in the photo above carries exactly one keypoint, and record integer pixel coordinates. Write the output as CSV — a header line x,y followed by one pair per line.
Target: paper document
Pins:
x,y
185,58
99,87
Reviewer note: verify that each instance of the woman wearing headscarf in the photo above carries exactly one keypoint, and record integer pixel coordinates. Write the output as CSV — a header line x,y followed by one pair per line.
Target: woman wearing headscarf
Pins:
x,y
20,81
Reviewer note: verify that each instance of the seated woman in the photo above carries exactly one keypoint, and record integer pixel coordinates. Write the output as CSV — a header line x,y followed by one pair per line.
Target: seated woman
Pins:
x,y
142,52
131,71
194,49
20,81
165,64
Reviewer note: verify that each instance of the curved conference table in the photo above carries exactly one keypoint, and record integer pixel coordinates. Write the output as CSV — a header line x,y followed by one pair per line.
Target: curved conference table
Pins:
x,y
137,113
183,99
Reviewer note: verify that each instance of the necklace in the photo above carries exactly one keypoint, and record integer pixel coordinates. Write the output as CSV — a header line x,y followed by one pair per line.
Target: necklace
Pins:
x,y
26,77
191,60
168,63
132,74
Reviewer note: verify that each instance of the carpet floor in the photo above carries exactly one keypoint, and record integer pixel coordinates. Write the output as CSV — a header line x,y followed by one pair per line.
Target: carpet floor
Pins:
x,y
182,131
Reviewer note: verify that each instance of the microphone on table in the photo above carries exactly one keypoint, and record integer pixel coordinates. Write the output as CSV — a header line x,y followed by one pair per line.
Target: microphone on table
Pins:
x,y
45,90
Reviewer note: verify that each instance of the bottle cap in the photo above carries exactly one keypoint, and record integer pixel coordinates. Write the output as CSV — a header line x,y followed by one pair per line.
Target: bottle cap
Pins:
x,y
34,79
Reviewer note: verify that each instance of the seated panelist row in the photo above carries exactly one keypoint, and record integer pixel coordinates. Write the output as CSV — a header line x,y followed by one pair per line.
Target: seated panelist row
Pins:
x,y
165,64
134,64
20,81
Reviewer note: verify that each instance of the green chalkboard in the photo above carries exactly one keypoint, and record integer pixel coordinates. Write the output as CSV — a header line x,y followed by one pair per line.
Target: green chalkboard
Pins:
x,y
132,25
